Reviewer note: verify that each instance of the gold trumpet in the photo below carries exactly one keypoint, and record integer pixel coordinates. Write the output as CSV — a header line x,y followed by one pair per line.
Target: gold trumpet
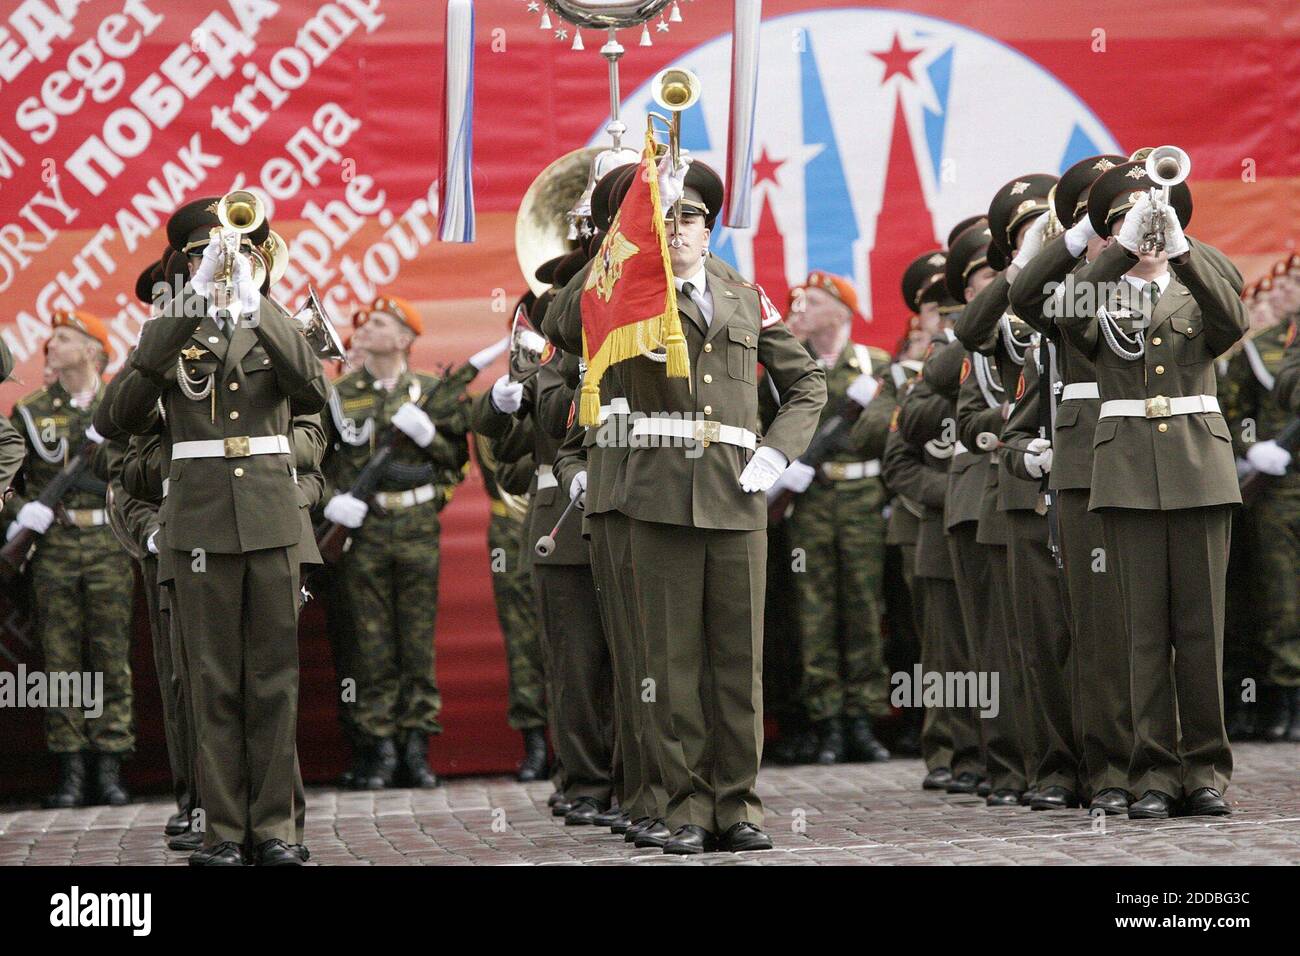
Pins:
x,y
676,90
241,212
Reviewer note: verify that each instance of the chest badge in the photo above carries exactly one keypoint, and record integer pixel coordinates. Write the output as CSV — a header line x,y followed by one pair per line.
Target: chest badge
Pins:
x,y
194,352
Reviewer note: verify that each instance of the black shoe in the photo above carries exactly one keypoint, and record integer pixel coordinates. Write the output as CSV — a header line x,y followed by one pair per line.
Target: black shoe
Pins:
x,y
831,748
745,836
1154,805
108,781
937,779
223,854
1205,802
71,791
1275,716
984,787
561,807
189,841
533,766
279,853
1003,798
654,834
863,745
554,798
583,812
688,840
635,827
380,767
1111,801
177,823
1054,798
613,818
415,761
1027,798
964,782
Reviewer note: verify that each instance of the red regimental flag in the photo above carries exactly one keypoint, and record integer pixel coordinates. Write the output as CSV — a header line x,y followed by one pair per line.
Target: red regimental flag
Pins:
x,y
629,303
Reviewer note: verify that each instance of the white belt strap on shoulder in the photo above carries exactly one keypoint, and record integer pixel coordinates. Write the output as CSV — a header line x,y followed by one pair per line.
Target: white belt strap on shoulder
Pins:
x,y
616,406
239,446
851,470
1080,390
1159,406
545,478
396,500
702,431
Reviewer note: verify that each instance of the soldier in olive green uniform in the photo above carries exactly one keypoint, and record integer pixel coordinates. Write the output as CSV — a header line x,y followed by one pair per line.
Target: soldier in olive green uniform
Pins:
x,y
1270,523
388,574
82,581
231,371
837,525
698,527
1163,481
12,449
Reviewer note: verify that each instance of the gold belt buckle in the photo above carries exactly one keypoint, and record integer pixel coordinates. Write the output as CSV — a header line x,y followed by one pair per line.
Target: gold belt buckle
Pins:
x,y
237,447
836,470
1158,407
707,431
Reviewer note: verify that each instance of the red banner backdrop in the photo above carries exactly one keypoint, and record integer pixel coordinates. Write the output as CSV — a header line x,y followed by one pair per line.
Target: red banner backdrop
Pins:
x,y
877,129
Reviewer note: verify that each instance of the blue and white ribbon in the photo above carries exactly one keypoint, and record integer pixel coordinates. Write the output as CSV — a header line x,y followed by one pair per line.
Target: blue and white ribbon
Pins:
x,y
456,209
744,96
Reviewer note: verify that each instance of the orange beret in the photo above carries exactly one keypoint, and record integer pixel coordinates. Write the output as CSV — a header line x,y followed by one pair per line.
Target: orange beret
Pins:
x,y
399,309
359,317
837,286
84,323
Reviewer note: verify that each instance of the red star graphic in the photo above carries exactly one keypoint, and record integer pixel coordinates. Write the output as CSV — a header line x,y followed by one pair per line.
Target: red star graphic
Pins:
x,y
896,60
765,168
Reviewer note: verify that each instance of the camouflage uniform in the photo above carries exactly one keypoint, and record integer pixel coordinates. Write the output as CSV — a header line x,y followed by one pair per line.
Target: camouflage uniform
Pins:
x,y
838,526
512,591
1268,534
83,582
389,572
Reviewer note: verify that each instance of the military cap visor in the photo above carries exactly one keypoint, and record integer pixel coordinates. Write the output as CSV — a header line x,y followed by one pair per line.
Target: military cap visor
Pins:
x,y
146,280
968,253
961,227
545,273
1070,199
1016,202
924,271
1115,192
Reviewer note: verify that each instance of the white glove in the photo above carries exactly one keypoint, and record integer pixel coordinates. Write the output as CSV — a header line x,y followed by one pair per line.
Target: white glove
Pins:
x,y
1038,459
863,389
672,182
485,357
36,516
1176,243
151,542
414,424
763,469
347,510
1267,456
246,292
578,488
1078,236
1135,224
94,435
1032,243
798,476
207,270
507,396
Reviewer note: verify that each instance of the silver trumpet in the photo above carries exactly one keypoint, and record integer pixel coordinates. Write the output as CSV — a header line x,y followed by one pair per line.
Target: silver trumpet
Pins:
x,y
1167,166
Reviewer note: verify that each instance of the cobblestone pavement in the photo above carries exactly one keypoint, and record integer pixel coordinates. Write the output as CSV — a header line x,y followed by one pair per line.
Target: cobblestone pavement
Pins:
x,y
848,814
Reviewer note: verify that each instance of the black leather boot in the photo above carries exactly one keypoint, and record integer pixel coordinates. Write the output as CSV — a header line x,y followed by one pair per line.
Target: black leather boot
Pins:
x,y
415,761
830,742
863,745
533,766
71,791
381,766
108,781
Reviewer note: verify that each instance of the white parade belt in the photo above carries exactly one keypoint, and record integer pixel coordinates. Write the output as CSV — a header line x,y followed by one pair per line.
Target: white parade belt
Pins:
x,y
1080,390
396,500
84,517
702,431
850,470
1159,406
545,478
238,446
616,406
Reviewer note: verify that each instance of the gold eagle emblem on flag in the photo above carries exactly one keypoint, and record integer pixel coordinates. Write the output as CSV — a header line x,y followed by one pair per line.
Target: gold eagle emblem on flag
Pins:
x,y
607,268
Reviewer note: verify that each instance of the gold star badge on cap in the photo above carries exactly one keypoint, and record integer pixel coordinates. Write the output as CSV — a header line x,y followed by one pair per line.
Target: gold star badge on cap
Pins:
x,y
1103,165
1137,172
1018,187
194,352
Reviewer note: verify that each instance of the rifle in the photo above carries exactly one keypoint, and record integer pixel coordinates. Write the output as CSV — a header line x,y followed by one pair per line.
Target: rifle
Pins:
x,y
1253,485
824,444
20,548
438,402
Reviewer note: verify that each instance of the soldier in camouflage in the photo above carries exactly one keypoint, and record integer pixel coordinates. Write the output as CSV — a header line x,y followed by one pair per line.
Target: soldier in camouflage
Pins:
x,y
83,582
837,531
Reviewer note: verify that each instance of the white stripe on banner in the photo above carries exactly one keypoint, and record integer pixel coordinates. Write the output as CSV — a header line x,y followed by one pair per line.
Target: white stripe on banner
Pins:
x,y
744,96
456,217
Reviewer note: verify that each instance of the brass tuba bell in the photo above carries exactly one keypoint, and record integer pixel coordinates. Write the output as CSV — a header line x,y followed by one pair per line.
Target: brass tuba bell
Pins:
x,y
542,224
